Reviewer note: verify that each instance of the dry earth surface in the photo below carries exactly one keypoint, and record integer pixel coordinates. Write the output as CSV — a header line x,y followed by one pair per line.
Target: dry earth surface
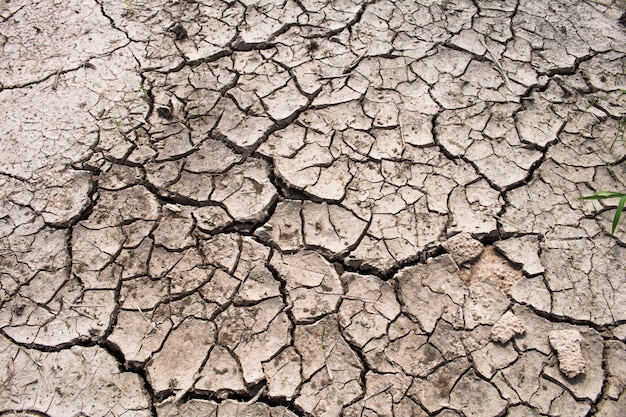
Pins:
x,y
311,208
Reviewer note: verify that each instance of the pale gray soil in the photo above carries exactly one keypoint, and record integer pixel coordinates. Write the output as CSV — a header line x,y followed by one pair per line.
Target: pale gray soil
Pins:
x,y
311,208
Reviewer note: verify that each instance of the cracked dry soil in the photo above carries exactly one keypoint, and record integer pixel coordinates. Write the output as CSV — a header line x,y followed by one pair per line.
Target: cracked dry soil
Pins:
x,y
311,208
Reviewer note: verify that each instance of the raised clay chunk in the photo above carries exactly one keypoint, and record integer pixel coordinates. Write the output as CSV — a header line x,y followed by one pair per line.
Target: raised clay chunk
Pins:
x,y
463,248
567,346
506,328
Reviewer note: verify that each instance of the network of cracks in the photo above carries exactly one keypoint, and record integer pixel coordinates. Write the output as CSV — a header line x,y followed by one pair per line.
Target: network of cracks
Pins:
x,y
312,208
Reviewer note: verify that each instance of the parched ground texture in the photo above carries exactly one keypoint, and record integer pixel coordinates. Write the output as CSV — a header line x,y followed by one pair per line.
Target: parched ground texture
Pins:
x,y
311,208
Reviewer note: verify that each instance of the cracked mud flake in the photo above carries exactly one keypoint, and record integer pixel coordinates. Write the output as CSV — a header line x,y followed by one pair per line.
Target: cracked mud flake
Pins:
x,y
493,357
211,156
384,396
401,225
252,256
174,366
590,385
538,124
428,292
52,307
114,208
285,102
31,249
304,169
535,375
475,397
262,22
433,391
341,89
84,34
258,285
72,379
211,219
118,177
93,249
240,129
522,251
285,142
142,327
146,29
491,143
484,304
474,208
222,250
381,106
414,354
313,285
615,360
220,374
284,228
332,370
283,374
585,286
57,206
174,229
246,191
74,313
194,187
493,268
615,399
395,239
330,227
254,334
198,88
202,408
332,182
188,274
368,307
46,138
138,334
463,248
507,327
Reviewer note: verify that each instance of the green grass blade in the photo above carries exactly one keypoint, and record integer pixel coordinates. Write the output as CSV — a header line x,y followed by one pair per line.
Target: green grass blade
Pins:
x,y
618,214
601,195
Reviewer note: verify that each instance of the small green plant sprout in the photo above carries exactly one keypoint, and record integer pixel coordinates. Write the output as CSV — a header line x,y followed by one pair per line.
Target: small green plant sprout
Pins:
x,y
198,106
406,66
323,335
129,9
602,195
118,125
621,128
144,92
